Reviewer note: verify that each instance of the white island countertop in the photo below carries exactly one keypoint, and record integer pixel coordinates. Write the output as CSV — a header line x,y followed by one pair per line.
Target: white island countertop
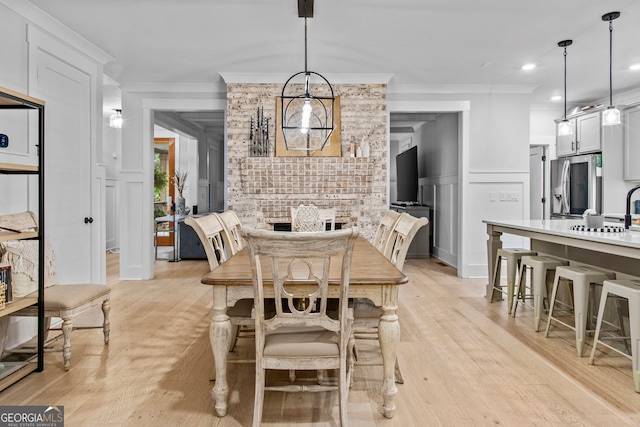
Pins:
x,y
618,252
562,228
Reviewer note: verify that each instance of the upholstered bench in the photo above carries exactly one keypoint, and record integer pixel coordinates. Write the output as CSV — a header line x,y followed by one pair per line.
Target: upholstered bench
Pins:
x,y
66,302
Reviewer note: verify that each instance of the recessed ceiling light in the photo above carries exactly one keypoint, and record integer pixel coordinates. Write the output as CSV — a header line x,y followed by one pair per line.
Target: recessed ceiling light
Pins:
x,y
635,67
556,98
528,67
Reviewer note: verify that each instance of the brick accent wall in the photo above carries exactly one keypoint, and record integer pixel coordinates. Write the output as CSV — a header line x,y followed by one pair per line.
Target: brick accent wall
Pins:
x,y
262,189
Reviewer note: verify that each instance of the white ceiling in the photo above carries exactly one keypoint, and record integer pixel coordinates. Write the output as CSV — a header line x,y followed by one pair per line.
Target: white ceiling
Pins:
x,y
425,42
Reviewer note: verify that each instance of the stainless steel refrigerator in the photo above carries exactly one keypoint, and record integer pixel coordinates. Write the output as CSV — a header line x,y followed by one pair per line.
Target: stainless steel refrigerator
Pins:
x,y
576,185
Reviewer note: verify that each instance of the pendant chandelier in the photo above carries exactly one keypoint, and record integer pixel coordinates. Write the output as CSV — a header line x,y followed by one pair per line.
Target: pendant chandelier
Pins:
x,y
565,127
307,118
610,116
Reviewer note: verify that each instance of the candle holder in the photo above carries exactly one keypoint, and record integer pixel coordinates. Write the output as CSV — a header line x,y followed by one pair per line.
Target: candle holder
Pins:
x,y
259,135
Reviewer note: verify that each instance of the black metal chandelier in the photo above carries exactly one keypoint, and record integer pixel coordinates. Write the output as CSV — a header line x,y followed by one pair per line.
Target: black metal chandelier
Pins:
x,y
307,118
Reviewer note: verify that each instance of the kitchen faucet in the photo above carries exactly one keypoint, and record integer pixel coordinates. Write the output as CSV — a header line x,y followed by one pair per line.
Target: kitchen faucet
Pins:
x,y
627,217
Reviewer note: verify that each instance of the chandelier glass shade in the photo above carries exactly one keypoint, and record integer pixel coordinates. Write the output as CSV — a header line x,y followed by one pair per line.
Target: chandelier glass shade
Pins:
x,y
565,128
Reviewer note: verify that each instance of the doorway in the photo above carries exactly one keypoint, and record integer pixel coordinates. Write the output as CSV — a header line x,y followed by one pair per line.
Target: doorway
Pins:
x,y
537,182
163,190
437,138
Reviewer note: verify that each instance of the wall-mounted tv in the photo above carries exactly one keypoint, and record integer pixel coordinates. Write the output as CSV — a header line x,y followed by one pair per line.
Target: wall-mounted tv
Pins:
x,y
407,175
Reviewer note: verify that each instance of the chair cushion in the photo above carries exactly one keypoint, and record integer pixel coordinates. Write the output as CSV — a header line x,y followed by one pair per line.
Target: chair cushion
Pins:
x,y
300,342
65,297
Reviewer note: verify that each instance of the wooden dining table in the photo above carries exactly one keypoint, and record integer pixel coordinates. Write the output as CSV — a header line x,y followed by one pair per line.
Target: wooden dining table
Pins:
x,y
373,276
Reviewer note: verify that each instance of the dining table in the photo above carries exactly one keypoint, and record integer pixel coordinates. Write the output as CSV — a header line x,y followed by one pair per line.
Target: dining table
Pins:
x,y
372,276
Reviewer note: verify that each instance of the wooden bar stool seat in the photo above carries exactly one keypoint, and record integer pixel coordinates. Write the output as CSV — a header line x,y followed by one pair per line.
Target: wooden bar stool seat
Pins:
x,y
581,277
629,289
541,266
512,256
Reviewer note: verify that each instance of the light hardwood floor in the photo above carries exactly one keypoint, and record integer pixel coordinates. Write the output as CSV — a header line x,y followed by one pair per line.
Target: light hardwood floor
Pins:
x,y
464,361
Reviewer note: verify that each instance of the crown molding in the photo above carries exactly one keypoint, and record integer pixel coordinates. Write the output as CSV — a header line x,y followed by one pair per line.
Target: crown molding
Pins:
x,y
142,87
462,88
281,78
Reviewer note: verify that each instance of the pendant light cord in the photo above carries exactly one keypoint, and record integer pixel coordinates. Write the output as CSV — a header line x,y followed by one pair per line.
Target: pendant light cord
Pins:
x,y
305,36
610,62
565,83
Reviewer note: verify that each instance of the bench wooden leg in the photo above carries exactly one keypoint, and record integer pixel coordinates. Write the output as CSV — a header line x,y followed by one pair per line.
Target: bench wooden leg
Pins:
x,y
67,327
106,325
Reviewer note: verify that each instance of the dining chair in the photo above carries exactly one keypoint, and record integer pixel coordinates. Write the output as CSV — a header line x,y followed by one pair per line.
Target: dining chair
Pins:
x,y
383,233
231,225
210,230
307,338
401,237
328,216
306,218
366,314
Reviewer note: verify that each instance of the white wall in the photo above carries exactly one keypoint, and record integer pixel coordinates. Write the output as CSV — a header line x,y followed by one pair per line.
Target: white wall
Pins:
x,y
22,39
136,186
494,157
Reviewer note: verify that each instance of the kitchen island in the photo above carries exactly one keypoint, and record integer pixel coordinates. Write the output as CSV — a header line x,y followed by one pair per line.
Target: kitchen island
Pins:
x,y
615,251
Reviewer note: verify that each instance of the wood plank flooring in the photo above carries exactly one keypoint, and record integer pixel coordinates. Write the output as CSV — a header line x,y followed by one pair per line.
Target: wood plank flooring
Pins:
x,y
464,361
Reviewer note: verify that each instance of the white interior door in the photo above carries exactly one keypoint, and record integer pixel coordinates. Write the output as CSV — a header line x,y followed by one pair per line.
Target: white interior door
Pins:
x,y
536,182
66,91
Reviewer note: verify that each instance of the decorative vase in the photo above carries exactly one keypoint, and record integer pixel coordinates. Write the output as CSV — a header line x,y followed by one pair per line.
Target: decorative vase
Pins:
x,y
365,149
180,205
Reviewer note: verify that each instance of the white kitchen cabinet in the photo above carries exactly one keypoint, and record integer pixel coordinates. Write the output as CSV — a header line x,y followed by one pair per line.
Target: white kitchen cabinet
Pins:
x,y
586,138
632,144
588,130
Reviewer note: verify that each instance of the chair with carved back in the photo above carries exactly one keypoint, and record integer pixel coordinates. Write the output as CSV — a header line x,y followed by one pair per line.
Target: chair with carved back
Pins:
x,y
385,229
231,225
306,218
328,217
296,266
366,314
401,237
210,230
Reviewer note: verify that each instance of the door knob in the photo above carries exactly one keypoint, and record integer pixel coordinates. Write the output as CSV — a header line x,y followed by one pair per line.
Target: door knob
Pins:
x,y
88,220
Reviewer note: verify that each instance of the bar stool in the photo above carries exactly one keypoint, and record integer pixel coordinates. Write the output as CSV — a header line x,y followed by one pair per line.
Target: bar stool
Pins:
x,y
512,256
582,277
540,266
629,289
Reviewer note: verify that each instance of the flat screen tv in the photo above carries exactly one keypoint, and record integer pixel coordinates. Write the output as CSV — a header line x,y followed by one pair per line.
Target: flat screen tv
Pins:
x,y
407,175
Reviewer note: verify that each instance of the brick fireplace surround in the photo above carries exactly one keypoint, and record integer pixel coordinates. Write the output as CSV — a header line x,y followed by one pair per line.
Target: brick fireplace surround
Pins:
x,y
262,189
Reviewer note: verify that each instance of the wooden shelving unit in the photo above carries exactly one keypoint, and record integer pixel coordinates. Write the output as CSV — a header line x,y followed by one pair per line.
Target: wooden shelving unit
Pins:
x,y
14,368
